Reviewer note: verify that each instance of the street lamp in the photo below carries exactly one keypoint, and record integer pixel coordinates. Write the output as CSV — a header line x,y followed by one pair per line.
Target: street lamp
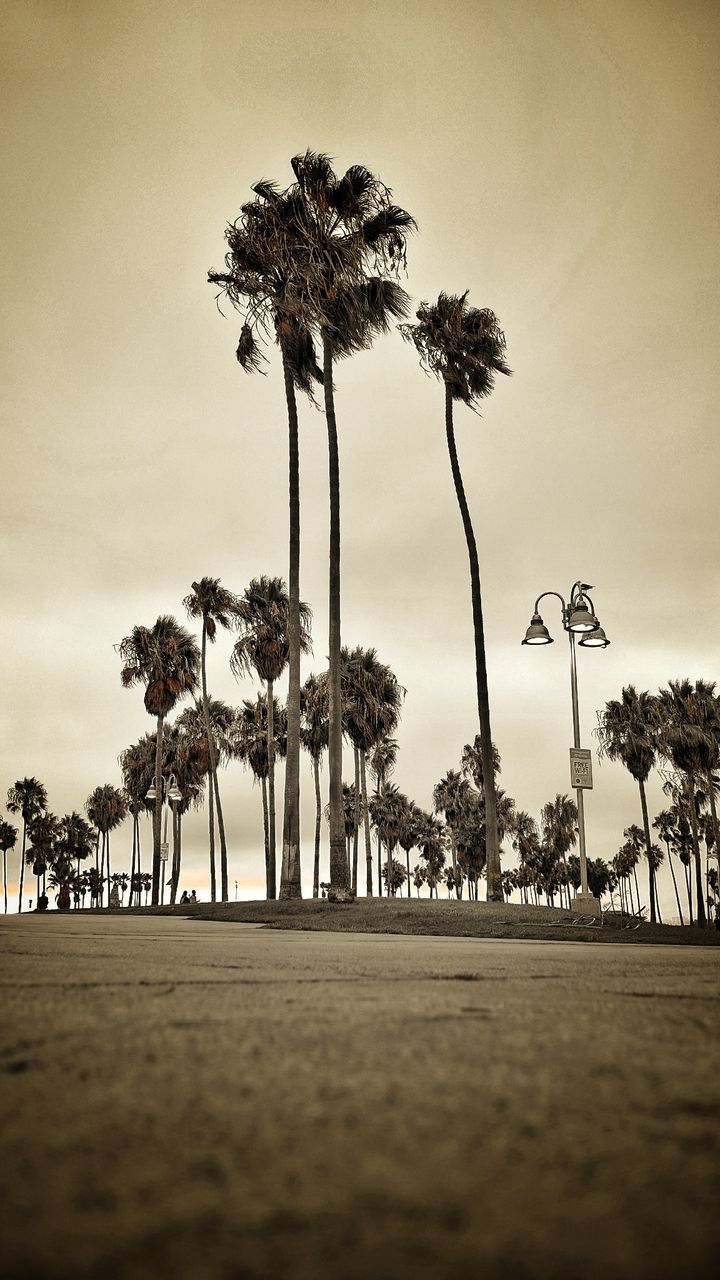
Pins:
x,y
578,618
171,794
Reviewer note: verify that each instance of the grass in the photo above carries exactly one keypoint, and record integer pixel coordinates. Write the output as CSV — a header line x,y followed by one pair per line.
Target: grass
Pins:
x,y
440,918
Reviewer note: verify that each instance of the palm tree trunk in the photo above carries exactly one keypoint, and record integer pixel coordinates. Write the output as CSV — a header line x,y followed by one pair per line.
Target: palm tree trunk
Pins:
x,y
157,815
176,858
132,864
224,890
211,828
5,877
692,814
211,754
107,848
318,824
637,887
648,850
22,867
356,833
272,878
290,877
675,886
338,863
366,826
266,831
494,884
407,860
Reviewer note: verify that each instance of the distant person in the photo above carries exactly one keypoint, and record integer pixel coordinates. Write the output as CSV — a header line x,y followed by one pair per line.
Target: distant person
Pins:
x,y
193,897
184,898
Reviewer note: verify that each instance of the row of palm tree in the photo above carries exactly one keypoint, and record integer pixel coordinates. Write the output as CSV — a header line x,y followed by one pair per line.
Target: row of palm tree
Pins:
x,y
678,729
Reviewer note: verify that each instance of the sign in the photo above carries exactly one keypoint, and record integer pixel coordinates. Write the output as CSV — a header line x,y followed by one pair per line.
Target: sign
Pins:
x,y
580,767
164,851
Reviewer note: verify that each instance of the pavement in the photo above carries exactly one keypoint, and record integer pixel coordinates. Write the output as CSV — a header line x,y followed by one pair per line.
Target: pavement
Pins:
x,y
192,1099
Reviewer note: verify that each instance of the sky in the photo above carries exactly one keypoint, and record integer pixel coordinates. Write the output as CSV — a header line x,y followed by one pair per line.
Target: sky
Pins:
x,y
560,158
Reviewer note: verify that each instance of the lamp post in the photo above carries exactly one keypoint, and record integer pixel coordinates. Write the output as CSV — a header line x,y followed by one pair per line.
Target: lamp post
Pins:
x,y
170,794
578,618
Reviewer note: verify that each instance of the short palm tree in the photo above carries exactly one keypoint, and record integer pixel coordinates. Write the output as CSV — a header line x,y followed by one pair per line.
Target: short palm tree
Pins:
x,y
263,647
465,347
76,839
665,825
382,762
28,798
8,839
449,796
106,807
206,730
137,764
558,819
166,659
250,744
216,606
627,731
314,738
387,808
43,835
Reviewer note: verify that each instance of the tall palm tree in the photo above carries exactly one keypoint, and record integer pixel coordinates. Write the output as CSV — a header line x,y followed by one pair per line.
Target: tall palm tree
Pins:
x,y
314,738
340,242
75,841
106,807
250,744
216,606
27,797
686,739
43,834
263,647
166,659
258,284
8,839
627,731
465,347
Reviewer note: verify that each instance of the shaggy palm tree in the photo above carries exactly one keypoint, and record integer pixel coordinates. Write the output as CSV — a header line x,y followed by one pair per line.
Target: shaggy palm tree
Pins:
x,y
314,738
339,241
8,839
687,740
263,647
449,796
106,807
27,797
627,731
526,843
258,284
250,744
431,842
75,840
558,820
387,808
137,764
465,347
43,835
216,606
664,823
166,659
411,828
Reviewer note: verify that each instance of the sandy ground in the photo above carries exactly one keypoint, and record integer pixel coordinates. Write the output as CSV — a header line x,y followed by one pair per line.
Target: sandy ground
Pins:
x,y
191,1099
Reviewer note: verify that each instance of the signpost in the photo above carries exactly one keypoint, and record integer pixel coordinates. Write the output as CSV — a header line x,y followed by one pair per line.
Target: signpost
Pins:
x,y
580,768
164,851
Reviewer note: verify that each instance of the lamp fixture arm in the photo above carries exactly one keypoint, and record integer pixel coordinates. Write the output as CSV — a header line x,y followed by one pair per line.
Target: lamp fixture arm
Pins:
x,y
551,593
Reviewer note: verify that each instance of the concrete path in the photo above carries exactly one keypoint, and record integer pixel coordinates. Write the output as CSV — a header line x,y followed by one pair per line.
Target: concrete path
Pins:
x,y
185,1099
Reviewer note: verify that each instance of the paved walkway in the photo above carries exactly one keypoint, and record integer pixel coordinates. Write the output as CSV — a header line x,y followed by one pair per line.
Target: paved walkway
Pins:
x,y
186,1099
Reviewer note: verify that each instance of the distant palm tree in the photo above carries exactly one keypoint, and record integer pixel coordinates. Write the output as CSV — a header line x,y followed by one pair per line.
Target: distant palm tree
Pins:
x,y
76,839
526,842
341,242
43,834
431,841
137,764
687,740
27,797
250,744
258,284
627,731
465,347
664,824
387,808
263,647
216,606
314,738
382,762
559,818
8,839
106,807
411,828
201,747
166,659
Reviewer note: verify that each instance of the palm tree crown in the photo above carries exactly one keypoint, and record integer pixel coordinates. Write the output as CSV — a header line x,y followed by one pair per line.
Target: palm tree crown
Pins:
x,y
463,345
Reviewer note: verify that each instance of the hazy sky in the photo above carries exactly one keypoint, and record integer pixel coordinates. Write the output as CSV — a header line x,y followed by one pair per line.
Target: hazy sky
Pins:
x,y
560,157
